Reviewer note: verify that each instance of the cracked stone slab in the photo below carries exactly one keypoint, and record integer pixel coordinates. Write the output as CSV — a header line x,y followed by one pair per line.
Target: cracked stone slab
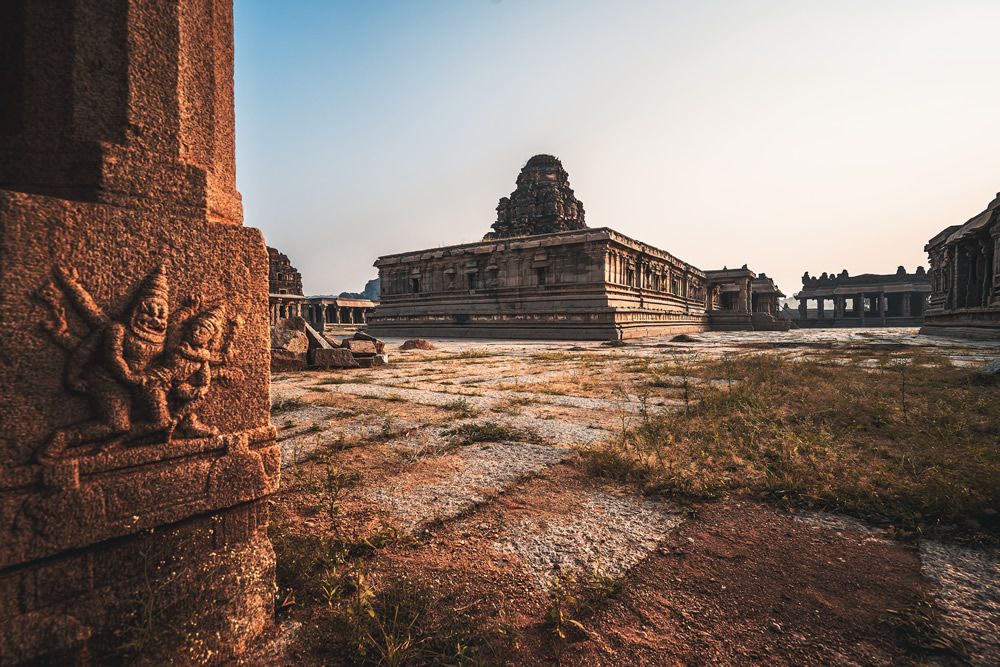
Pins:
x,y
487,399
610,535
449,485
967,586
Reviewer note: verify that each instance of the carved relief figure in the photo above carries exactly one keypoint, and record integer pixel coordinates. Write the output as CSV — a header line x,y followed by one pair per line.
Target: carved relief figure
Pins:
x,y
108,364
144,373
179,383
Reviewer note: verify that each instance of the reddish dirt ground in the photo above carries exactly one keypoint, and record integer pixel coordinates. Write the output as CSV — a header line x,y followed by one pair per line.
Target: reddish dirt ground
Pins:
x,y
736,583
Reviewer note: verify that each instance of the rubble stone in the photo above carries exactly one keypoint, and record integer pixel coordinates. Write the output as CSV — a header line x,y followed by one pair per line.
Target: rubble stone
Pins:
x,y
332,358
417,344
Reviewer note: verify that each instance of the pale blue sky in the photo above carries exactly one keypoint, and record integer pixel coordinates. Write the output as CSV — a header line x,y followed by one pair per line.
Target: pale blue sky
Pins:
x,y
790,135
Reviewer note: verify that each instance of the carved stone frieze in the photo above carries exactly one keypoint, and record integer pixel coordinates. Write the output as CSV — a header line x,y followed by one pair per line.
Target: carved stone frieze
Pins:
x,y
145,372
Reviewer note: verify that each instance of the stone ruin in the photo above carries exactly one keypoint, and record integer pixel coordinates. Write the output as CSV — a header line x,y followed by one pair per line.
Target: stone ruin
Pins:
x,y
296,346
542,203
282,277
136,450
964,299
868,300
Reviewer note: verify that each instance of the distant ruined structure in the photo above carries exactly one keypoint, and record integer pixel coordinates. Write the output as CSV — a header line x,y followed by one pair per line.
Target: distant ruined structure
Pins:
x,y
282,277
868,300
965,278
542,203
285,299
739,299
542,273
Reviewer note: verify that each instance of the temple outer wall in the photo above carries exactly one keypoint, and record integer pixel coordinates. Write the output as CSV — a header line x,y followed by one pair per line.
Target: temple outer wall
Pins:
x,y
593,284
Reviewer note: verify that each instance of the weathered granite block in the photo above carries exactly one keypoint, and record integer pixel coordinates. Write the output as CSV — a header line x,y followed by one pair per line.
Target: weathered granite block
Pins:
x,y
136,449
337,357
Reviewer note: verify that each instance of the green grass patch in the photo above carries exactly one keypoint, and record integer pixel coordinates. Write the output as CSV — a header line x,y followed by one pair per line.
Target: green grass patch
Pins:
x,y
337,379
471,353
412,621
461,408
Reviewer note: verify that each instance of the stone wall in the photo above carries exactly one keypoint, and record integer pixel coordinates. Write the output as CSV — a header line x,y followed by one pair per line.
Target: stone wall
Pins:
x,y
589,284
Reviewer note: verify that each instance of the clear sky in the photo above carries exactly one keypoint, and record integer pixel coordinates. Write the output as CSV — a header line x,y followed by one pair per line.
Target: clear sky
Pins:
x,y
791,135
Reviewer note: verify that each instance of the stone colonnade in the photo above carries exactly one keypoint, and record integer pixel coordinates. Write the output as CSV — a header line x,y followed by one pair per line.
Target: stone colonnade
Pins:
x,y
319,312
864,305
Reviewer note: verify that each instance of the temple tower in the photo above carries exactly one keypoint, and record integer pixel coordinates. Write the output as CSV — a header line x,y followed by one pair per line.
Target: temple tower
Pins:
x,y
542,203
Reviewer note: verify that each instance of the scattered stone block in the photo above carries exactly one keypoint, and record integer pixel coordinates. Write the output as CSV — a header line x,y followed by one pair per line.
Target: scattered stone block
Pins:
x,y
417,344
289,345
361,335
359,346
283,361
316,339
332,358
295,323
380,360
294,342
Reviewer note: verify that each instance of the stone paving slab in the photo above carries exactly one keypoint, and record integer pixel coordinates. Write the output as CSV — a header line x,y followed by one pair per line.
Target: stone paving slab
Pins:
x,y
492,398
609,536
966,583
448,486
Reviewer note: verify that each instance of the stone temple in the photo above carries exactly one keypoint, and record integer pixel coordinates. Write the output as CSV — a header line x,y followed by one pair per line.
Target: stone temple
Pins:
x,y
965,278
542,273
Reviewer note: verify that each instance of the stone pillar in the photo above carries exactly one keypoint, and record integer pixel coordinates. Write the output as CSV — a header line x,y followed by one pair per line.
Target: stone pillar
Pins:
x,y
906,303
995,292
881,306
803,308
116,151
320,316
820,308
